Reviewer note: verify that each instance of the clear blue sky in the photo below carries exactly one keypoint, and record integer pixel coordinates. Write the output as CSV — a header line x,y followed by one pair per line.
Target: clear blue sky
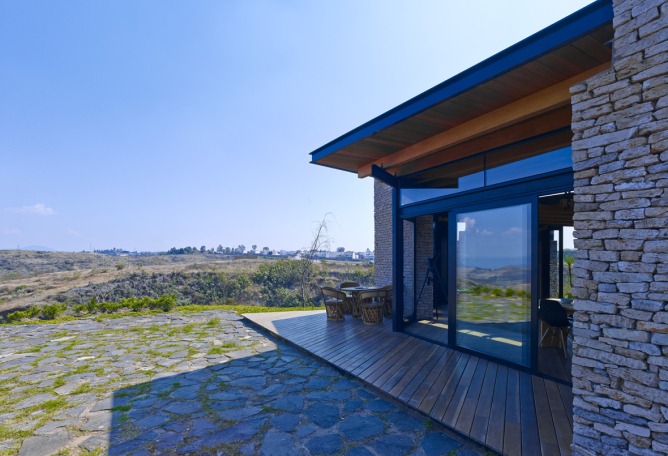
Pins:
x,y
148,124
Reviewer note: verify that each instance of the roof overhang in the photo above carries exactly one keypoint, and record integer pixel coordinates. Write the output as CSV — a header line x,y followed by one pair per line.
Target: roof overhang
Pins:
x,y
517,94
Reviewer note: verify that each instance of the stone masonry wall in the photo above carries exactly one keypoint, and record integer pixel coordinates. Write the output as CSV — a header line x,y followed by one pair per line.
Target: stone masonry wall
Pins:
x,y
382,221
424,246
620,348
409,269
382,201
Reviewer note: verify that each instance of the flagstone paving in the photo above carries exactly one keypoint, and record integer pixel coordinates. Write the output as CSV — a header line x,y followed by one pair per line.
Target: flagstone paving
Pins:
x,y
203,383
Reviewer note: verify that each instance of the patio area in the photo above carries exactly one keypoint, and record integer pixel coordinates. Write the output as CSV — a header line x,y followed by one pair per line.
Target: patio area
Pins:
x,y
509,411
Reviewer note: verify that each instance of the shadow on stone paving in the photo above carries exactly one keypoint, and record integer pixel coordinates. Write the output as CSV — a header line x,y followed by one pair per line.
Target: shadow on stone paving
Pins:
x,y
279,402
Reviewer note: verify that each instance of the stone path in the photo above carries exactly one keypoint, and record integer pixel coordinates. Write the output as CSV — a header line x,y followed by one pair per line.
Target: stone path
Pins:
x,y
202,383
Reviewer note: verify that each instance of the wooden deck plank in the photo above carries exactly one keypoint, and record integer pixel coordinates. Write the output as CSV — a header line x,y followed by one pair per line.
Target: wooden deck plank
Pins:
x,y
376,369
469,406
398,383
567,398
387,381
562,426
482,410
547,436
513,427
344,350
451,373
401,362
509,411
457,394
423,390
495,433
426,368
528,416
366,357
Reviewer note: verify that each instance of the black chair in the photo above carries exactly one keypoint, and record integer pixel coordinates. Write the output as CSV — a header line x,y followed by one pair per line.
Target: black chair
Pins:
x,y
554,316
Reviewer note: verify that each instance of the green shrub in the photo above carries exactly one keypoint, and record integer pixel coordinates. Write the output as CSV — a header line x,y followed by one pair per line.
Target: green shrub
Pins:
x,y
110,307
51,311
23,314
80,309
91,306
278,281
135,304
164,303
120,266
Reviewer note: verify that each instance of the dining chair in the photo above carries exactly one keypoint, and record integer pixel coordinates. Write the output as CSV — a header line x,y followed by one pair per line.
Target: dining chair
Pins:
x,y
554,316
372,306
334,301
387,300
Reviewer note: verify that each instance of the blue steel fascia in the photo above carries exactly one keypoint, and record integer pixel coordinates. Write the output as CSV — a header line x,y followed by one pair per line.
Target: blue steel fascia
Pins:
x,y
558,34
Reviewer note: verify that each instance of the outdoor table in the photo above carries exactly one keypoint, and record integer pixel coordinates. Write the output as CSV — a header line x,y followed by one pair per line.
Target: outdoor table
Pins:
x,y
354,295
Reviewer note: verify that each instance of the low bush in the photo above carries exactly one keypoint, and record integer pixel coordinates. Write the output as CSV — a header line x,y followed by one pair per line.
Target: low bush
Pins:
x,y
164,303
51,311
23,314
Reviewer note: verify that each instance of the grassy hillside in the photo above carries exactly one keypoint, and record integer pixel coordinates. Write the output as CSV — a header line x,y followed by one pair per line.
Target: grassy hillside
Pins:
x,y
40,278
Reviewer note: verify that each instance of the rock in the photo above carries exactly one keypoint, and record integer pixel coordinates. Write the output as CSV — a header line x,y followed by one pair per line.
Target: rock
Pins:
x,y
326,444
437,443
44,445
358,427
277,443
323,415
392,445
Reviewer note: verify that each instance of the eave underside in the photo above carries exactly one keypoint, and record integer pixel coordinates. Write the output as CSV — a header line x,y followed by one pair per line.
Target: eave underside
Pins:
x,y
525,102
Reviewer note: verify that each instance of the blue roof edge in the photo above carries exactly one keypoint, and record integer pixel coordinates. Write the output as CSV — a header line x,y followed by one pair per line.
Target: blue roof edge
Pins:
x,y
553,36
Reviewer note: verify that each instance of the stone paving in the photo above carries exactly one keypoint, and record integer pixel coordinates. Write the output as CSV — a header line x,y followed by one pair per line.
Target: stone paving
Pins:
x,y
204,383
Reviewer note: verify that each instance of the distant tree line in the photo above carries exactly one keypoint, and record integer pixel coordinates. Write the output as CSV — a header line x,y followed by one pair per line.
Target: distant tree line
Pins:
x,y
238,250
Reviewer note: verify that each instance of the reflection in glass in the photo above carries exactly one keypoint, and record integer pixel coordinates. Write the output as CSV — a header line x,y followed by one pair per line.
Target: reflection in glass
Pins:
x,y
468,174
550,161
494,282
488,169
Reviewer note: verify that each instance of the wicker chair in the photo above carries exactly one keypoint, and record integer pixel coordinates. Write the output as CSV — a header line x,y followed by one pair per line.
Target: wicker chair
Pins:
x,y
387,300
372,306
334,301
349,302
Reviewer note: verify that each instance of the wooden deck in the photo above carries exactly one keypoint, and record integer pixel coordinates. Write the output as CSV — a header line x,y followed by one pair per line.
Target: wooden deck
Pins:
x,y
507,410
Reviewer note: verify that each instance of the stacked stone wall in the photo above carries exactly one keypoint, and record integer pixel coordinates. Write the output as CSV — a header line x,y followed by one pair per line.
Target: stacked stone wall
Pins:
x,y
382,221
424,249
409,268
620,346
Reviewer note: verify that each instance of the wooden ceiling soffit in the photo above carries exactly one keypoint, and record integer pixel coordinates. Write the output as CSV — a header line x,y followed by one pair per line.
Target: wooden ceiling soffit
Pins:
x,y
533,105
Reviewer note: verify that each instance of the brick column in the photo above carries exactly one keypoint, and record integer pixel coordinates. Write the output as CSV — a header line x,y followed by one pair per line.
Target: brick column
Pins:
x,y
620,123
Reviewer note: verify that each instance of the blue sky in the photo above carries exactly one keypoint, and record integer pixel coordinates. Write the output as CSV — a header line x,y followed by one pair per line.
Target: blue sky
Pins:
x,y
148,124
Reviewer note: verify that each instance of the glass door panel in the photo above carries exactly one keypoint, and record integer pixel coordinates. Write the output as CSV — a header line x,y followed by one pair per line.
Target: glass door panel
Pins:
x,y
493,277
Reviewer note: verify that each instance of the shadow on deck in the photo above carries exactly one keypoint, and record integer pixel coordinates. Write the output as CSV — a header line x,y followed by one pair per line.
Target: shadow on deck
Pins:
x,y
509,411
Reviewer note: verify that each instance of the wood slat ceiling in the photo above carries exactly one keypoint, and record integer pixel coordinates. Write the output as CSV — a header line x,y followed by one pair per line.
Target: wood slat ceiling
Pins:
x,y
581,55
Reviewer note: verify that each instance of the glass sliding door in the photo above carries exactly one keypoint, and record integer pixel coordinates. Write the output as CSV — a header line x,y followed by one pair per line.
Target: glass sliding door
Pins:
x,y
493,282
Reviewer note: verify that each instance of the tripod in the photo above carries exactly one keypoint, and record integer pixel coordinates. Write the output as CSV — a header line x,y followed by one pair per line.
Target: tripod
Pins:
x,y
432,275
